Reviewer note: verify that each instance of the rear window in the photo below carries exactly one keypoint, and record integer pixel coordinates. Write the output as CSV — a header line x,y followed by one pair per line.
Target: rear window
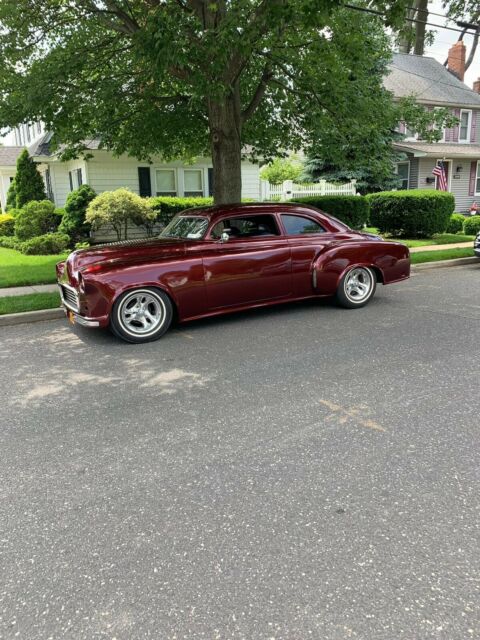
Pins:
x,y
299,225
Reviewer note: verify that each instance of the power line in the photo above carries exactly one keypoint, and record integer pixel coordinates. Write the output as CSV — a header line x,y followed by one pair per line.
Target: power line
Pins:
x,y
429,24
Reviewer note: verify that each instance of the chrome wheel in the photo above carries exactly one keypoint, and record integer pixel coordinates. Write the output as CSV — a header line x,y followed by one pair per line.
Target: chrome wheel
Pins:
x,y
358,284
141,313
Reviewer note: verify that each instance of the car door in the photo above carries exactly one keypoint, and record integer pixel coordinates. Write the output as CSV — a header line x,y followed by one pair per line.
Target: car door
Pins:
x,y
307,237
247,269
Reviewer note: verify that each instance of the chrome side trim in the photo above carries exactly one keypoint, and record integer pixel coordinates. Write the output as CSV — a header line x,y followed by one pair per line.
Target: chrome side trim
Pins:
x,y
314,278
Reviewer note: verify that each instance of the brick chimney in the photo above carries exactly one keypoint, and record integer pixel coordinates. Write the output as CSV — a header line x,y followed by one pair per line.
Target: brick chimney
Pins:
x,y
456,60
476,85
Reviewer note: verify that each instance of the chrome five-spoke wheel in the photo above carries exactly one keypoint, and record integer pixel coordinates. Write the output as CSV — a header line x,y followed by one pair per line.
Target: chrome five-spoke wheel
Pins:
x,y
141,315
356,287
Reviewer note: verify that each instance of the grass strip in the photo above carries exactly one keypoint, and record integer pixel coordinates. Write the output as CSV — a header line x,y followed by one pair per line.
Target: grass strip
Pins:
x,y
17,269
442,254
29,302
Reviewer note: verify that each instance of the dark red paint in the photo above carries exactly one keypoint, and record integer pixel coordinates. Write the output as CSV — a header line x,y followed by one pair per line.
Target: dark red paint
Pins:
x,y
208,277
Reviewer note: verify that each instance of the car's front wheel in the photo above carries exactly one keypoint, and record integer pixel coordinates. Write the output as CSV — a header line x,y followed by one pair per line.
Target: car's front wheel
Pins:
x,y
141,315
356,287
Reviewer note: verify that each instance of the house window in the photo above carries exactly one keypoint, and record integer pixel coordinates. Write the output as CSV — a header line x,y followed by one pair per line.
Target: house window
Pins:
x,y
440,129
39,127
464,126
477,180
166,182
75,178
27,131
48,184
403,172
193,181
410,134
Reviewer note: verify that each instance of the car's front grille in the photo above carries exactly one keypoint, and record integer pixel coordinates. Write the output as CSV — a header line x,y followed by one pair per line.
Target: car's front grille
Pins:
x,y
70,296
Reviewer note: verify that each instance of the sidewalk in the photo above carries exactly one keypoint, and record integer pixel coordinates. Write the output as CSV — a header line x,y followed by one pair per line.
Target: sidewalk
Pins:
x,y
22,291
440,247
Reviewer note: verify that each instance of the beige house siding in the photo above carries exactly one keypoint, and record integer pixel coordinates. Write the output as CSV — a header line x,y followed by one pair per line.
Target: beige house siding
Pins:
x,y
458,186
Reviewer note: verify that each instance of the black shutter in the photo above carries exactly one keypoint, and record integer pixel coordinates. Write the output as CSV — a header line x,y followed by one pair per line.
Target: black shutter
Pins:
x,y
210,182
144,182
71,180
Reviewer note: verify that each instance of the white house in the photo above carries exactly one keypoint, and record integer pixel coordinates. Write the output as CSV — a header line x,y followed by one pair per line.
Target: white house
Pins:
x,y
104,172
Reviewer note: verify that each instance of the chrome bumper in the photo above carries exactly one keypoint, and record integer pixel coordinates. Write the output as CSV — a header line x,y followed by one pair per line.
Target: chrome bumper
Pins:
x,y
71,309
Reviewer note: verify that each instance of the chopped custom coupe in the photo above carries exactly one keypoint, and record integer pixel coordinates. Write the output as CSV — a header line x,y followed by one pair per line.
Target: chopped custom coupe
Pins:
x,y
220,259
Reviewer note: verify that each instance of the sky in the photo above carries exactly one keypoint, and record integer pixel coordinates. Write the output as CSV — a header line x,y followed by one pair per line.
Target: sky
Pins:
x,y
444,40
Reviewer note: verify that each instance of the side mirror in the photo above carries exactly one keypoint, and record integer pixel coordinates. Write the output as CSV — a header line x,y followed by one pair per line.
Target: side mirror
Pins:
x,y
224,237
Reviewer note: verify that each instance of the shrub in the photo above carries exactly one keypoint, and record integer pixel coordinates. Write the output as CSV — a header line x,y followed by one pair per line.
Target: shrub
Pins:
x,y
118,208
7,225
73,220
352,210
166,207
411,214
82,245
281,169
28,182
471,226
10,242
455,224
11,202
35,219
45,245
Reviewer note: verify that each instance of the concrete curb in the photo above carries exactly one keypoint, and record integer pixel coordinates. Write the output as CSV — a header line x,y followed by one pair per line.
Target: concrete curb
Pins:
x,y
441,264
31,316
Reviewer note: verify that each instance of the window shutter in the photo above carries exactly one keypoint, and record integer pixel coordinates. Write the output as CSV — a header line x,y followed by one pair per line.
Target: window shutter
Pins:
x,y
210,182
144,182
79,177
71,180
473,131
473,178
457,126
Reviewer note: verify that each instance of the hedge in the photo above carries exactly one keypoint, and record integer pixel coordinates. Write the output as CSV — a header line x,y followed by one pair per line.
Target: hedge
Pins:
x,y
7,225
352,210
48,244
35,219
411,214
455,224
471,226
168,207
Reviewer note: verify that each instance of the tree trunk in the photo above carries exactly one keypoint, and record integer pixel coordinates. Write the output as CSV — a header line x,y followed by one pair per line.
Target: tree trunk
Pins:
x,y
225,137
420,26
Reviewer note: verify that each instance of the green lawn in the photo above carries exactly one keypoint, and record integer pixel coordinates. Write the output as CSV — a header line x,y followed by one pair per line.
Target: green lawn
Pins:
x,y
442,254
30,302
16,269
439,238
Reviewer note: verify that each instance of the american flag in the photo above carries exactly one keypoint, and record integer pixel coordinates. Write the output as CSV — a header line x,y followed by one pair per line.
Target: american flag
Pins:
x,y
439,171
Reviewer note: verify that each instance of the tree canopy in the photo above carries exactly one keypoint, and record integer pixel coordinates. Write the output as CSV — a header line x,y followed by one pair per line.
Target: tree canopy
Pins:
x,y
186,78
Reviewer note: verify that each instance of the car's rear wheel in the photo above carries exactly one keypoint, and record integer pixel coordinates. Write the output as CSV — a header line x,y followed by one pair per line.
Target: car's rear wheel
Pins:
x,y
141,315
356,288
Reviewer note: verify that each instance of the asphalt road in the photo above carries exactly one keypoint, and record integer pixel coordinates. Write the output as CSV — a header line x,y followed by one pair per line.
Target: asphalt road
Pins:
x,y
292,473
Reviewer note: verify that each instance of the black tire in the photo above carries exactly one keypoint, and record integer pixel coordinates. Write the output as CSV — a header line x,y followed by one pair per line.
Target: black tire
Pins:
x,y
141,315
352,296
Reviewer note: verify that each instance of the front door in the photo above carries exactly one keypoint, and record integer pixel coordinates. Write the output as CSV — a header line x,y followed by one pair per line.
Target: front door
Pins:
x,y
252,266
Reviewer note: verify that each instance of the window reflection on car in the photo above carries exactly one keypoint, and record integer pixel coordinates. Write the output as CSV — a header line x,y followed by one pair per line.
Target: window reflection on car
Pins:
x,y
186,227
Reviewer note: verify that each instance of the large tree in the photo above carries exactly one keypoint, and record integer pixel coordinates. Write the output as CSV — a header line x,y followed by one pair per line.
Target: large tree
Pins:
x,y
184,78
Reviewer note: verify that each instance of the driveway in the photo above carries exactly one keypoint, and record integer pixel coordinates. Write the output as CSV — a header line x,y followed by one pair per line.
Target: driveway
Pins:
x,y
292,473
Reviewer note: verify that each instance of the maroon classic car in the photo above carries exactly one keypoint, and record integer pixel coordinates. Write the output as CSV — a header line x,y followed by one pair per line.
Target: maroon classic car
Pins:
x,y
220,259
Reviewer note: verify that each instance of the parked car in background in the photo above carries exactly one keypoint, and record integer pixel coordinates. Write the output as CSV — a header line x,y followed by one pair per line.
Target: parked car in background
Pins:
x,y
476,245
215,260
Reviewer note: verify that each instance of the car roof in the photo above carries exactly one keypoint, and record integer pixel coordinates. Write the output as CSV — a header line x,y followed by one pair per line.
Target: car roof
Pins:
x,y
217,211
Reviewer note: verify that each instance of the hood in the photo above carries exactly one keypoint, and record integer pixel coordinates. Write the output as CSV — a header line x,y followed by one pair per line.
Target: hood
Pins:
x,y
128,251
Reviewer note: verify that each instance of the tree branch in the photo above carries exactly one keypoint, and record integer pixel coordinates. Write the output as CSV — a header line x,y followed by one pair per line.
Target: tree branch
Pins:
x,y
267,75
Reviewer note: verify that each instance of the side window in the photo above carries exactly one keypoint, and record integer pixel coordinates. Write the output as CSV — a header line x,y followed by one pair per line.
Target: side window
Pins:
x,y
298,225
247,227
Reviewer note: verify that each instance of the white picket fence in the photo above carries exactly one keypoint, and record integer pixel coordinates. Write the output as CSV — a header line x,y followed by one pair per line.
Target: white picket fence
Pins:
x,y
289,190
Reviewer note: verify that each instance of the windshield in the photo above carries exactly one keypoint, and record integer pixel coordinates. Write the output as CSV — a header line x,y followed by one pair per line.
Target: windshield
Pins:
x,y
191,227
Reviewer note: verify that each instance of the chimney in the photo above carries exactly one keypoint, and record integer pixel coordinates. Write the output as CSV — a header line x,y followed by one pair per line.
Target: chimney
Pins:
x,y
456,60
476,85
